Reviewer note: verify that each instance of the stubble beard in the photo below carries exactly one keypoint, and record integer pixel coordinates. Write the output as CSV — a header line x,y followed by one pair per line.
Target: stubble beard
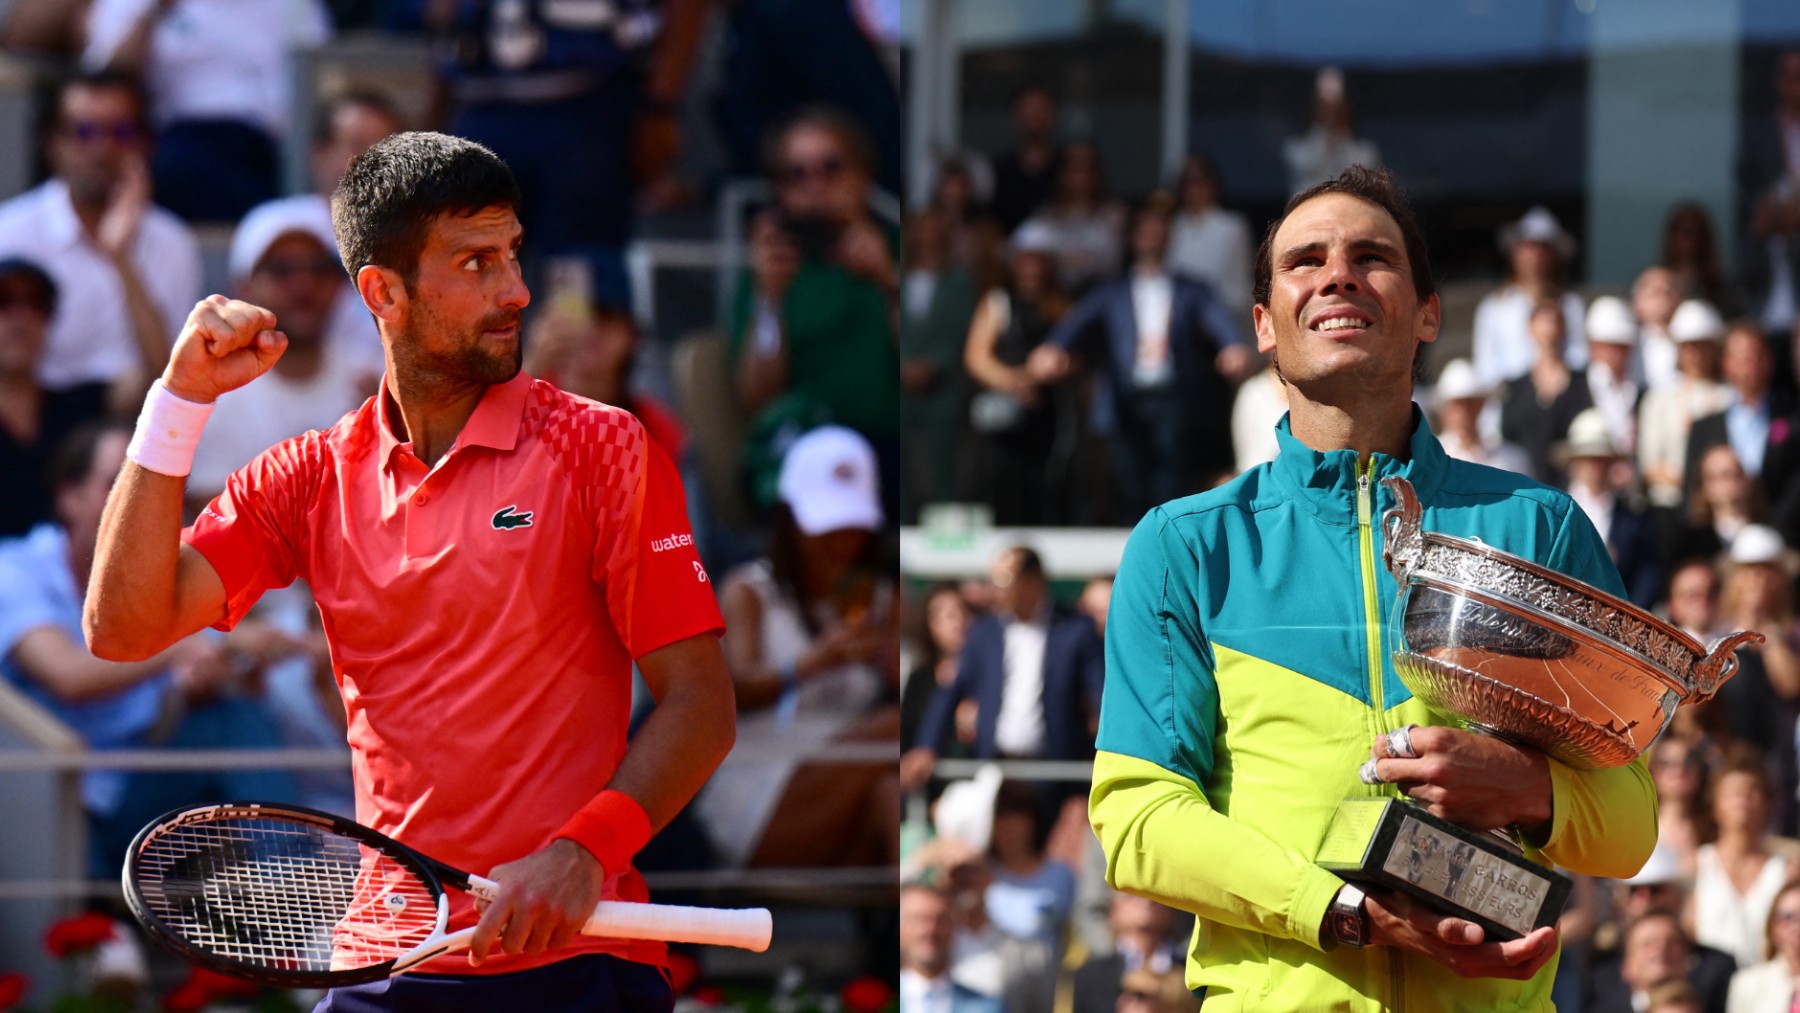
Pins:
x,y
419,368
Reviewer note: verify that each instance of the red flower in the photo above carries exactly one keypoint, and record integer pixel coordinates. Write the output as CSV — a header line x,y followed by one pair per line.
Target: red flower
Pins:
x,y
203,986
709,995
13,987
1778,431
867,995
78,934
684,970
186,997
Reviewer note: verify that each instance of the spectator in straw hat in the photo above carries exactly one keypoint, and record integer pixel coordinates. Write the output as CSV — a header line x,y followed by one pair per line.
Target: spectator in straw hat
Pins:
x,y
1590,457
1538,250
1668,411
1611,380
1460,396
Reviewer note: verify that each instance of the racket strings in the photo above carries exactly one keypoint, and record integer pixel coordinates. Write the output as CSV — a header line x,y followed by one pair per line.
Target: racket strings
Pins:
x,y
283,896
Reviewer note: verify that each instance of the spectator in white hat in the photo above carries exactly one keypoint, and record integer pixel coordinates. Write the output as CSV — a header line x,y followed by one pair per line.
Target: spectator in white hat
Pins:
x,y
1611,382
812,645
1459,397
1538,251
1669,411
1590,459
283,256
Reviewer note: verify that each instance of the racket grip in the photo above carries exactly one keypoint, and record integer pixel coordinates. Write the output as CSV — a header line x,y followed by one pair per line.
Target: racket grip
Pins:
x,y
746,928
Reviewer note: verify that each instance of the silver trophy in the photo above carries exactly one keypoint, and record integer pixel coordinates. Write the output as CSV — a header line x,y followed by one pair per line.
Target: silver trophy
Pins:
x,y
1527,654
1506,647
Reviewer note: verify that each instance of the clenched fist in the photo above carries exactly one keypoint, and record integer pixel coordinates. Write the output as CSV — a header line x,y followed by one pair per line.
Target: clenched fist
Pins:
x,y
225,344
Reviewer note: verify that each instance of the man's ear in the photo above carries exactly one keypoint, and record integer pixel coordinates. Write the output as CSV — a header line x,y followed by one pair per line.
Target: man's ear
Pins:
x,y
1429,315
1265,329
383,292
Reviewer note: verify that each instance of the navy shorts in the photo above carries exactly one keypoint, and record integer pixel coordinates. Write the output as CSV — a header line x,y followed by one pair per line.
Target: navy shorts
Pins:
x,y
590,983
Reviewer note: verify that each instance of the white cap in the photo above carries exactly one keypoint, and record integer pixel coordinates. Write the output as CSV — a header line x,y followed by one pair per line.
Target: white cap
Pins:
x,y
307,214
1663,866
830,481
1538,226
1696,320
1033,237
1588,436
1761,544
1609,321
1459,380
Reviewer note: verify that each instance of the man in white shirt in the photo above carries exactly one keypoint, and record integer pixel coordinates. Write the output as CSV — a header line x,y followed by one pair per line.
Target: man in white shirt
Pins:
x,y
128,271
283,257
1033,669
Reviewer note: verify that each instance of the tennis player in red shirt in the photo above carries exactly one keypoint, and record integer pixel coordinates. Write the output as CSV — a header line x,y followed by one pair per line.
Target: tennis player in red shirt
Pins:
x,y
489,554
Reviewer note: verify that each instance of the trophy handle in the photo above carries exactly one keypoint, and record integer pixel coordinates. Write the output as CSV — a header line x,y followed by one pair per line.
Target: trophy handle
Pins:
x,y
1403,537
1720,664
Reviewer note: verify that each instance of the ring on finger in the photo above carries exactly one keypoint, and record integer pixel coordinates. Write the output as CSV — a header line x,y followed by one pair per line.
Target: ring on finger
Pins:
x,y
1368,773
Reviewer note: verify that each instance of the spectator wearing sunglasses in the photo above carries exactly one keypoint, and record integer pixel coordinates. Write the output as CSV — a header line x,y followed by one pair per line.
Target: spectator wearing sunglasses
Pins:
x,y
813,325
283,257
128,271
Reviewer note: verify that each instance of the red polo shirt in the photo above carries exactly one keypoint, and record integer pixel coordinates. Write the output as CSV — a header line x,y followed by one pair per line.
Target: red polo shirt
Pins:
x,y
483,614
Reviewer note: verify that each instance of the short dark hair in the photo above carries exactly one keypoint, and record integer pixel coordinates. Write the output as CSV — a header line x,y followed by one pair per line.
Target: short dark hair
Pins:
x,y
72,460
383,209
1373,186
43,295
849,133
1030,563
368,98
105,80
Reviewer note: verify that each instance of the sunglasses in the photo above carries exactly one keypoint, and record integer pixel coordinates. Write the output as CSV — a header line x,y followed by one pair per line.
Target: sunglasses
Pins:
x,y
827,168
89,131
317,267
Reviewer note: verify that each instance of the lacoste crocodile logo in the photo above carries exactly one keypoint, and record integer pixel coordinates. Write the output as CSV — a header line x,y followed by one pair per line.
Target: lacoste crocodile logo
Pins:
x,y
506,520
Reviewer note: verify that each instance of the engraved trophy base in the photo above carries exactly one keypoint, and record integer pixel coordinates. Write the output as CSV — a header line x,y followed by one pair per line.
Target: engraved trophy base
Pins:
x,y
1394,844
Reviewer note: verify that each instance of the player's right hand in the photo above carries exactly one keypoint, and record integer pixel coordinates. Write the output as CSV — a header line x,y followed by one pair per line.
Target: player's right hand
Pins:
x,y
1457,943
225,344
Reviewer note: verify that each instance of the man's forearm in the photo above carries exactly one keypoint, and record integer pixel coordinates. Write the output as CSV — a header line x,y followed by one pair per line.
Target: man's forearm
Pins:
x,y
132,606
684,739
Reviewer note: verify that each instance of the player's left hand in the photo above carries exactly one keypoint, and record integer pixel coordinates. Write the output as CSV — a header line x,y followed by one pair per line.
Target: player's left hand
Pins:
x,y
1477,781
544,900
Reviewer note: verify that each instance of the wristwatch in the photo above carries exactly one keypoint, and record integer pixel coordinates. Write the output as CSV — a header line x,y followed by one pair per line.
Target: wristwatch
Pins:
x,y
1346,920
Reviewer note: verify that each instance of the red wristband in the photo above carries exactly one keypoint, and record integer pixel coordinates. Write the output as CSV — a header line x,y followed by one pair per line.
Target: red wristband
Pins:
x,y
613,827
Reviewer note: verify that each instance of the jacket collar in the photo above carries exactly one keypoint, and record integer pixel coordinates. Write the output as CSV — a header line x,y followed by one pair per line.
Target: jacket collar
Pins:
x,y
1324,483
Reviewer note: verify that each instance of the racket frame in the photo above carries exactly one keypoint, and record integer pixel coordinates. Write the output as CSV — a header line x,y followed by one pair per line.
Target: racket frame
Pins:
x,y
430,872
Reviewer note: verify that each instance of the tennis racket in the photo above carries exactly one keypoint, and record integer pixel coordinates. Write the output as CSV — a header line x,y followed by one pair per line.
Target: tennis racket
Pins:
x,y
298,898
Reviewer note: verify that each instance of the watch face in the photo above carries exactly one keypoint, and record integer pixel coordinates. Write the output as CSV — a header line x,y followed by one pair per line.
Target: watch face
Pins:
x,y
1349,927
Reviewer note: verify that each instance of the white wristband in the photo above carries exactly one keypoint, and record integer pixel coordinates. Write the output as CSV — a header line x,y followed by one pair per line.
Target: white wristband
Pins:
x,y
168,429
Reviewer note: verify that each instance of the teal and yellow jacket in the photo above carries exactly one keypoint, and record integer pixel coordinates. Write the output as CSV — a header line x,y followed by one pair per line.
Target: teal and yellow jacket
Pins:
x,y
1248,673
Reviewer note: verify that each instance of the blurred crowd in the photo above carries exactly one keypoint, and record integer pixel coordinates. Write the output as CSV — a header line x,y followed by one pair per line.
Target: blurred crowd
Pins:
x,y
166,126
1071,360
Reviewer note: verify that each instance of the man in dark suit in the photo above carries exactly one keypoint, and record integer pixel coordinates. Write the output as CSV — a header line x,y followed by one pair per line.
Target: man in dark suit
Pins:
x,y
1755,425
1141,938
1171,353
1032,667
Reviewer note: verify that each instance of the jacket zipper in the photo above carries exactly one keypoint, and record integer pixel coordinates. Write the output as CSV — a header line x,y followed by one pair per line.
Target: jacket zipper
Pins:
x,y
1371,602
1365,531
